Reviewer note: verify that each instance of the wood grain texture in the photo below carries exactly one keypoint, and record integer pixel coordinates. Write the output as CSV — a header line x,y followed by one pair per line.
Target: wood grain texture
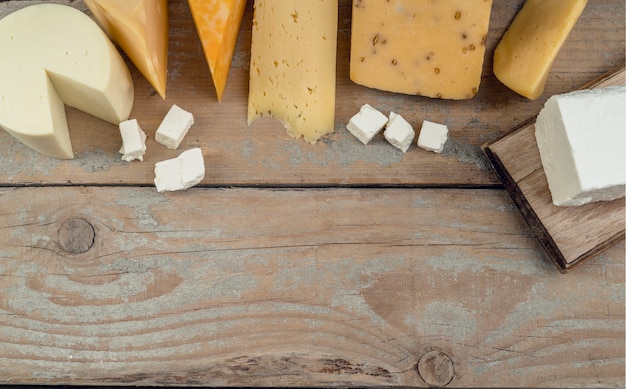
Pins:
x,y
338,287
262,154
571,235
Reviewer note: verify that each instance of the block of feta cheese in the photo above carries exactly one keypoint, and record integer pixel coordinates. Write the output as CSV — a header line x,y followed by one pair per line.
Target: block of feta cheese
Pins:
x,y
366,123
581,138
133,140
399,132
181,172
174,127
53,55
433,136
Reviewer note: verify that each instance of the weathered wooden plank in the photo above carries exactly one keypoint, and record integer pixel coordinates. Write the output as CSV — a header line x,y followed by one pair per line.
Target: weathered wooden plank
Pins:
x,y
263,154
296,287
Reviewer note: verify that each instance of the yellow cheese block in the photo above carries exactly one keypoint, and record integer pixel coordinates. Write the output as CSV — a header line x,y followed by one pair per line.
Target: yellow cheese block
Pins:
x,y
293,65
218,23
141,29
525,54
433,48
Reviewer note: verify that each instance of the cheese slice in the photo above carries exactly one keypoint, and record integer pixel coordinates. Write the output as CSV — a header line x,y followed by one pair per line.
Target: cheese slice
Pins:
x,y
581,137
433,48
217,23
52,54
141,29
292,65
524,56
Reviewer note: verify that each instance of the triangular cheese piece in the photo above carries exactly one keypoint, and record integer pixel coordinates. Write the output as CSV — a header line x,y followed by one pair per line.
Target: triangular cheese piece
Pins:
x,y
218,23
141,29
51,55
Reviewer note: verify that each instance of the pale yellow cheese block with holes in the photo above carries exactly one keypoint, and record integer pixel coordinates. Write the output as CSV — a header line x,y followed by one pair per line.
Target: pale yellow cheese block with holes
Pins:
x,y
433,48
293,65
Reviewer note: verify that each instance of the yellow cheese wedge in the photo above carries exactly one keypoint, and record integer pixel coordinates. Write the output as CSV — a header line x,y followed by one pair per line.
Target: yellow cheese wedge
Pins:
x,y
293,65
52,54
217,23
433,48
525,54
141,29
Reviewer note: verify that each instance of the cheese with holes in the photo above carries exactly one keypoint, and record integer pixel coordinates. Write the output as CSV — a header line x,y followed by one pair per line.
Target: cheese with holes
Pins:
x,y
524,56
293,65
52,54
433,48
141,29
581,138
218,23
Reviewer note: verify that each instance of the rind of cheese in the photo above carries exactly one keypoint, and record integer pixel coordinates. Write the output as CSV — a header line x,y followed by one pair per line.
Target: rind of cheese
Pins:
x,y
433,48
293,65
52,54
524,56
581,137
141,29
218,23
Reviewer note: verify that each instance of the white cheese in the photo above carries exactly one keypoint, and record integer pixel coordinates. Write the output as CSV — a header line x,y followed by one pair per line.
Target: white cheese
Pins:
x,y
433,136
399,132
581,138
50,55
133,140
181,172
367,123
174,127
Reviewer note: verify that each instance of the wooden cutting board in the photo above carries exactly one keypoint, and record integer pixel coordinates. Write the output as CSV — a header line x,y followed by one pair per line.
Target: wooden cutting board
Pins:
x,y
570,235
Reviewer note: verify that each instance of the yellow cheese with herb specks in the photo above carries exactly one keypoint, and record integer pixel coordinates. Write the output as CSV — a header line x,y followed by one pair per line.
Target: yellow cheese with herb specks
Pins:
x,y
525,54
293,65
431,48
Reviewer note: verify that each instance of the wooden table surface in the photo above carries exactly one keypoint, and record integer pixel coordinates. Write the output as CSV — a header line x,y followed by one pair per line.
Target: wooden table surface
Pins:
x,y
334,264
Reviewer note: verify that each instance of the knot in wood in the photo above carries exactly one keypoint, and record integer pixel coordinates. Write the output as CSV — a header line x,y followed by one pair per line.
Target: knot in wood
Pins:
x,y
76,235
435,368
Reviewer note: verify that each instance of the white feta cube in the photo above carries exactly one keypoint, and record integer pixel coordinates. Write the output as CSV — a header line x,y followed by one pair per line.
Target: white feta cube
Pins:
x,y
581,137
191,167
133,140
366,123
174,127
433,136
399,132
181,172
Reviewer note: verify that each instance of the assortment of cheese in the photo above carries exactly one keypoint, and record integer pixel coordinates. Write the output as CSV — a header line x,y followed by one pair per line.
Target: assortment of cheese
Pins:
x,y
54,55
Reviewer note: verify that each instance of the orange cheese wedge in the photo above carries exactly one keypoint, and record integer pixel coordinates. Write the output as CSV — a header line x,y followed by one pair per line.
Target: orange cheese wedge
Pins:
x,y
141,29
218,23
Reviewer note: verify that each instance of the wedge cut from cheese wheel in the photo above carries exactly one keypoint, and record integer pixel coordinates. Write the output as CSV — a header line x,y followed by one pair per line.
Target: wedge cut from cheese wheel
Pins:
x,y
217,23
141,29
432,48
524,56
52,54
292,65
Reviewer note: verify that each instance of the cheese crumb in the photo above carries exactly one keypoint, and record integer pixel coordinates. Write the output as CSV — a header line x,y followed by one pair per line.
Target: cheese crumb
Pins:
x,y
366,123
399,132
133,140
174,127
433,136
181,172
